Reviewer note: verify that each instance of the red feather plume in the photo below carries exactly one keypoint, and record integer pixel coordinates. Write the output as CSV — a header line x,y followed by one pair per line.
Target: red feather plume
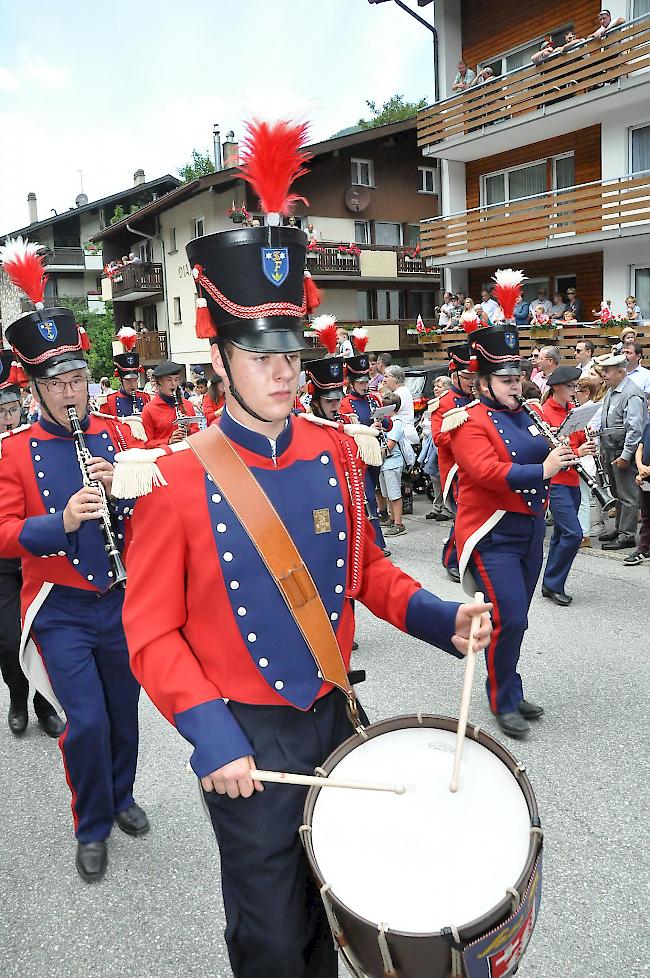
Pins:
x,y
272,157
128,338
325,326
508,290
470,321
24,265
360,339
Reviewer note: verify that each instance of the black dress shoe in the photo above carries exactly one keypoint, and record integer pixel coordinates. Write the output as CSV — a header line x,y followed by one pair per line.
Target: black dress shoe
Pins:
x,y
620,543
431,516
443,518
530,711
564,600
355,646
17,718
133,821
51,724
91,860
386,552
454,574
609,535
512,724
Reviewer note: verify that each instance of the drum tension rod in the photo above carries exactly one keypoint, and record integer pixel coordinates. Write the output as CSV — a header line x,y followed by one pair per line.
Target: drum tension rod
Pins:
x,y
452,936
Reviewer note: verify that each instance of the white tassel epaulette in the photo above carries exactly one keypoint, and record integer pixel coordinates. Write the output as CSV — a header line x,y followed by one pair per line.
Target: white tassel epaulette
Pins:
x,y
13,431
136,471
456,417
366,439
132,421
433,404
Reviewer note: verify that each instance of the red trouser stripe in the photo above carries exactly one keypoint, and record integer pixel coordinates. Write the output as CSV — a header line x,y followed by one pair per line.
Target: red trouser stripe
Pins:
x,y
496,629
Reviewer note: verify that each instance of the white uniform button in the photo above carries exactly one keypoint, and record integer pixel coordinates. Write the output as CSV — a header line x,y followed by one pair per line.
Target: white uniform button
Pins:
x,y
252,637
234,585
324,459
227,557
340,562
339,508
279,684
533,492
342,535
216,498
34,444
41,475
104,435
110,448
119,536
263,663
52,509
333,481
221,527
46,492
334,616
210,479
75,561
513,454
61,553
241,612
338,588
507,441
37,458
90,577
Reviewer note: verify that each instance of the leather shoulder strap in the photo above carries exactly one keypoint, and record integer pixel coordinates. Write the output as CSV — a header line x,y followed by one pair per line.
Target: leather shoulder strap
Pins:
x,y
272,541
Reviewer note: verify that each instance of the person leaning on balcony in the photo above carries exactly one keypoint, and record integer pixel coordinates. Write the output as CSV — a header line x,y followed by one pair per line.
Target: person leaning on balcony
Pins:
x,y
632,310
446,310
464,78
489,305
570,41
575,304
605,24
485,75
546,52
559,306
522,313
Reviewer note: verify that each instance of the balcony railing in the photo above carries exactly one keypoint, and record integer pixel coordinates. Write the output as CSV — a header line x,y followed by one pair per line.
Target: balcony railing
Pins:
x,y
137,279
584,68
330,259
605,207
151,346
65,257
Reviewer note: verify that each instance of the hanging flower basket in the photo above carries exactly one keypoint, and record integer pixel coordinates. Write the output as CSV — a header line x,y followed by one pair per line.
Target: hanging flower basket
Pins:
x,y
237,213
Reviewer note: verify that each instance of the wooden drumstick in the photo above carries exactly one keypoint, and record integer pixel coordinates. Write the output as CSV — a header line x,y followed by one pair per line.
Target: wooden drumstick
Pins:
x,y
470,662
283,777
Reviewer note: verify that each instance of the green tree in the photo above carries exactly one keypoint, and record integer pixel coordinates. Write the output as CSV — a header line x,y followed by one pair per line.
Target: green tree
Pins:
x,y
393,110
200,165
119,213
101,330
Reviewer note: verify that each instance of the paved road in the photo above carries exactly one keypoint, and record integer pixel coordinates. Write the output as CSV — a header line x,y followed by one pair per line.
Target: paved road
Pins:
x,y
158,913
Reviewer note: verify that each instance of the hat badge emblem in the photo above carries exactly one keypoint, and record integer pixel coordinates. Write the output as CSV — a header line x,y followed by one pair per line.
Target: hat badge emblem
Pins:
x,y
510,340
275,265
48,330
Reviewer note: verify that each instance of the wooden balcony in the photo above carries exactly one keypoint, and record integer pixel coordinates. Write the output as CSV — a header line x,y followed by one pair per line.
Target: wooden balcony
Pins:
x,y
65,258
151,347
587,67
603,209
135,282
331,261
328,259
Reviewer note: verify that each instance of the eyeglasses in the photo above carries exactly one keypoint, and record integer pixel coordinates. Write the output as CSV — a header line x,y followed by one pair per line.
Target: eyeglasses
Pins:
x,y
58,386
10,412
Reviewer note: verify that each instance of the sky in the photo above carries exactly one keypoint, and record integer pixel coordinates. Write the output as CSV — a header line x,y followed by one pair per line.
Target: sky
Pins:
x,y
108,88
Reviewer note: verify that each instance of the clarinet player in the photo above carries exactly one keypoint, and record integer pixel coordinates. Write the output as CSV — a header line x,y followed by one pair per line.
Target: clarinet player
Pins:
x,y
75,652
161,415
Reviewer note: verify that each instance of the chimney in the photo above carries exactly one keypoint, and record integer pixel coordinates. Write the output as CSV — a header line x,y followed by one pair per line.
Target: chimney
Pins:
x,y
230,151
138,178
31,207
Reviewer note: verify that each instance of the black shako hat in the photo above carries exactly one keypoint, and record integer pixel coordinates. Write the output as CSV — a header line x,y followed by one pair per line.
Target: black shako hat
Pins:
x,y
127,365
253,282
496,349
327,377
358,367
167,369
563,375
8,390
47,342
459,357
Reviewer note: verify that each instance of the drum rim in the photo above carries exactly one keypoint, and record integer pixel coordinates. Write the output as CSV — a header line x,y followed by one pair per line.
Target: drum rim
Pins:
x,y
472,929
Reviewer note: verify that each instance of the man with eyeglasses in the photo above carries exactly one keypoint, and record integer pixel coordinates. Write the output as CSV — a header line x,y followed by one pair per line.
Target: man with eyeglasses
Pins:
x,y
584,354
73,646
574,304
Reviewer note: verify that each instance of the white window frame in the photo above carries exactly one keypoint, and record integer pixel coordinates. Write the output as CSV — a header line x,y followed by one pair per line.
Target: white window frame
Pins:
x,y
553,160
633,270
178,315
422,174
368,232
505,172
394,224
535,42
200,218
355,162
631,130
173,248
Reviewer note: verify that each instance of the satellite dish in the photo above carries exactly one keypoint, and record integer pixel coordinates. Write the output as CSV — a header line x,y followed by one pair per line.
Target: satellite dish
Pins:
x,y
81,200
357,198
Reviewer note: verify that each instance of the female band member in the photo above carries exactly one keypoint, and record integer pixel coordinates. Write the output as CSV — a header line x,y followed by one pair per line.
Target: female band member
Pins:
x,y
565,489
504,472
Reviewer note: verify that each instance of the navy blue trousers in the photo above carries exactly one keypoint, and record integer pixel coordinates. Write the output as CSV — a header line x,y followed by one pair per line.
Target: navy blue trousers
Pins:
x,y
80,637
370,483
567,536
449,553
506,565
275,922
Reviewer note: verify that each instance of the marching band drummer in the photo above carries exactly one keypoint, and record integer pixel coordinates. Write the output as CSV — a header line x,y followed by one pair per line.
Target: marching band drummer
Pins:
x,y
75,652
256,696
504,473
160,415
128,400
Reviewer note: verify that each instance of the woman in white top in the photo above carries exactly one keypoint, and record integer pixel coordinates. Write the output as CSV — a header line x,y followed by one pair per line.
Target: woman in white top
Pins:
x,y
395,380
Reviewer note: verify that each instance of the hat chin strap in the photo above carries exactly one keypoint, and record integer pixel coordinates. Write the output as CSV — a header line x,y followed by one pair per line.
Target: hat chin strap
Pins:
x,y
233,389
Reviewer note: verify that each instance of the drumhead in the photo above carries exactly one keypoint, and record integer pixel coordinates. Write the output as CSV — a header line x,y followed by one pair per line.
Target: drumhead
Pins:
x,y
427,859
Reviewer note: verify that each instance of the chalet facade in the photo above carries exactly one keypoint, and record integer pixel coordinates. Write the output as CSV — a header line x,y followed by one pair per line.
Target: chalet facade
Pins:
x,y
545,167
367,193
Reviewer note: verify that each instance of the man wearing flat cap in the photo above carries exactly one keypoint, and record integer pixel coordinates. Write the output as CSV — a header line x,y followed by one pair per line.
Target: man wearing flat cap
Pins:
x,y
162,416
620,434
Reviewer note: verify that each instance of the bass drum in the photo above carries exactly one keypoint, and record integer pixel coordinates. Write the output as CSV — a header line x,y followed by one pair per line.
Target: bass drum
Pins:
x,y
427,883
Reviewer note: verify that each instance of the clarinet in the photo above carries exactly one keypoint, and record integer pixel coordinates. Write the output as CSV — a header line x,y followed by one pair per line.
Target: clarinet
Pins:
x,y
110,544
182,420
603,495
135,409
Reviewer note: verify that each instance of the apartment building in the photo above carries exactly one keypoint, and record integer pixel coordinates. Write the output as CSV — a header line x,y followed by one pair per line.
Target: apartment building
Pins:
x,y
367,191
545,167
73,261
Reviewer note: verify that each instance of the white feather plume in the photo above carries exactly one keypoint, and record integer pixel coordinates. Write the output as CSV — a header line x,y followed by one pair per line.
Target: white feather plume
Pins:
x,y
509,277
321,322
17,249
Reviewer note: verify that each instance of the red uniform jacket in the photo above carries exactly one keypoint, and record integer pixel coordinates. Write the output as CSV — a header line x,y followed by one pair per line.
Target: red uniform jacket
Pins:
x,y
452,398
120,405
216,627
39,472
555,414
500,456
158,418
